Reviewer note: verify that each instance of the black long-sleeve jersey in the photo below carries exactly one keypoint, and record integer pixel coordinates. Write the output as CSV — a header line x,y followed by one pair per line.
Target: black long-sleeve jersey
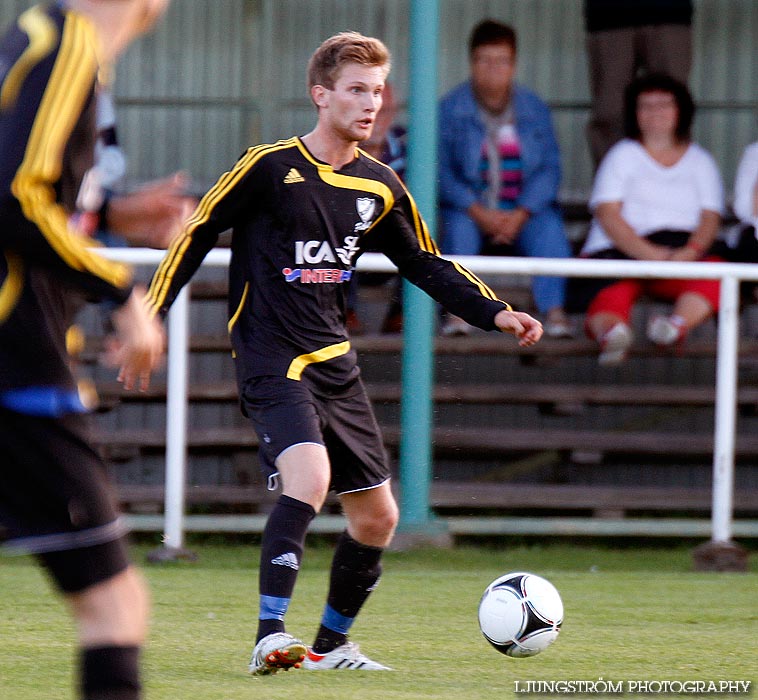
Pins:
x,y
298,228
48,71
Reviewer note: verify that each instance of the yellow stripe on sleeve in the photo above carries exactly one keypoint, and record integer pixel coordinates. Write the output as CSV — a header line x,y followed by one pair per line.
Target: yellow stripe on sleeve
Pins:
x,y
68,88
42,35
12,286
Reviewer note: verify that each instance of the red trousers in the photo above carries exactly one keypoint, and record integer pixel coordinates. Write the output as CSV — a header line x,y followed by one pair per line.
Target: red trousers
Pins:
x,y
619,297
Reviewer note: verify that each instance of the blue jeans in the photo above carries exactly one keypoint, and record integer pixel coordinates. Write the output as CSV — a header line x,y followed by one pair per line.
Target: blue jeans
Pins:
x,y
543,236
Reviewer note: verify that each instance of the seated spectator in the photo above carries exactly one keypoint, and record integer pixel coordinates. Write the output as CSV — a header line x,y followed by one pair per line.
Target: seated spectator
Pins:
x,y
746,204
499,171
741,243
387,144
656,196
149,216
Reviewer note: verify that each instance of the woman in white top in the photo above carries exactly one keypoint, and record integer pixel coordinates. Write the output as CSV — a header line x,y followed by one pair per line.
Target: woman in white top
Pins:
x,y
746,188
656,196
744,244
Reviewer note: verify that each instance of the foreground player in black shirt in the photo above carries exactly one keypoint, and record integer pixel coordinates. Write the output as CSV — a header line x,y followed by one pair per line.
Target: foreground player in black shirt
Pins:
x,y
55,501
301,211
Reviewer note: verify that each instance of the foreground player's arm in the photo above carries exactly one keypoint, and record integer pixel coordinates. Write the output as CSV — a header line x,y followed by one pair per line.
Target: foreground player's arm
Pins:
x,y
152,215
404,238
39,109
138,344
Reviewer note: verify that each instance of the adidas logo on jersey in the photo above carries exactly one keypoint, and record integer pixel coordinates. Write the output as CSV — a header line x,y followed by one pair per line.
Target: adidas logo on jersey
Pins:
x,y
293,176
287,559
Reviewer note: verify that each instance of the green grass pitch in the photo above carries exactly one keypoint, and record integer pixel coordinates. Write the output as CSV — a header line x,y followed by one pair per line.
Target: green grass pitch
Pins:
x,y
631,614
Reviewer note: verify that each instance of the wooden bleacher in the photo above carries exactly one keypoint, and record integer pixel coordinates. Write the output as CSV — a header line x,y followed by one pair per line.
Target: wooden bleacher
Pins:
x,y
476,493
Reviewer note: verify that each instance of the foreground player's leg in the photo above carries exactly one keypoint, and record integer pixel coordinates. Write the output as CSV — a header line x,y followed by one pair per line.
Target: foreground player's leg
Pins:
x,y
356,569
111,621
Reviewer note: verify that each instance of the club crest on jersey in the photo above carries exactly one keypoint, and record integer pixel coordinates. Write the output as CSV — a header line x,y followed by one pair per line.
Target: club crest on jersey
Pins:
x,y
366,207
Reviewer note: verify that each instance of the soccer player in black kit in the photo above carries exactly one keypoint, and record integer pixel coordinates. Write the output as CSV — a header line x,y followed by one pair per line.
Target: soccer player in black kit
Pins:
x,y
301,211
55,500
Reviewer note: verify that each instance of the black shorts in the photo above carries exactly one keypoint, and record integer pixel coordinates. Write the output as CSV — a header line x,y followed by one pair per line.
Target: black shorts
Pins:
x,y
286,412
55,500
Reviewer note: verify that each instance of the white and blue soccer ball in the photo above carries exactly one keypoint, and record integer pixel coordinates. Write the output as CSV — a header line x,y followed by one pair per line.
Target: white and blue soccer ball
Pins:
x,y
520,614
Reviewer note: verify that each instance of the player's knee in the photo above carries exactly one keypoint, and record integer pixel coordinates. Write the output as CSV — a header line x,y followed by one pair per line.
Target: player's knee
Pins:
x,y
377,527
114,611
313,492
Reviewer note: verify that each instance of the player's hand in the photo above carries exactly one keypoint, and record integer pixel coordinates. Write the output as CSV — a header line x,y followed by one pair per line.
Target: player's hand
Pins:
x,y
139,343
527,329
153,215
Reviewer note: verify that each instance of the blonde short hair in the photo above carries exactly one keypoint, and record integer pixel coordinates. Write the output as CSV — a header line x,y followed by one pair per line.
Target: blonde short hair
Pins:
x,y
346,47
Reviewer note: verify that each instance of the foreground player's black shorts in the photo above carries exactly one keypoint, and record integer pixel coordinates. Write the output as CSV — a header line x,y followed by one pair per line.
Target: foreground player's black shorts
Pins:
x,y
286,412
55,501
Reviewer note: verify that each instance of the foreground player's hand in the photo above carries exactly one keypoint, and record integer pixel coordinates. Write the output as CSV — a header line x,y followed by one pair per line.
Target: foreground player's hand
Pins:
x,y
527,329
139,343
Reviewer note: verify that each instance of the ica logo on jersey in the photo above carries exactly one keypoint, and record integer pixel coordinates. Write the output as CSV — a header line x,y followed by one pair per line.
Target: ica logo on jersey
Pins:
x,y
317,252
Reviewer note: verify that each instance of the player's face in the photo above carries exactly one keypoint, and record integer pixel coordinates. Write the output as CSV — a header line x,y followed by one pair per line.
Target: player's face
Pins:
x,y
350,109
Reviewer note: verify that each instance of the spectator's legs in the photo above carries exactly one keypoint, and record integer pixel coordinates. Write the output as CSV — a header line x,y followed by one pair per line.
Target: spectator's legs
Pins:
x,y
694,300
667,48
611,60
612,305
460,235
544,236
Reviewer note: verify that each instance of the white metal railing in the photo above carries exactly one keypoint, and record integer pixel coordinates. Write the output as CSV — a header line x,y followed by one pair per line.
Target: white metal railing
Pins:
x,y
730,275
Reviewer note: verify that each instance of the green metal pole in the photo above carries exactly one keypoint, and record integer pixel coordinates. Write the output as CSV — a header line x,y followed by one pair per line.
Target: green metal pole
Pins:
x,y
418,308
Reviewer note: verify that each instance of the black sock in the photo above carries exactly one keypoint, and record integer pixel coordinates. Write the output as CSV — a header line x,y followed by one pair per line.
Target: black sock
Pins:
x,y
110,673
356,569
281,551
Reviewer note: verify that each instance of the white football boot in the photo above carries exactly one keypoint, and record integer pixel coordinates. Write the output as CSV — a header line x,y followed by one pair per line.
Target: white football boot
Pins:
x,y
347,657
276,652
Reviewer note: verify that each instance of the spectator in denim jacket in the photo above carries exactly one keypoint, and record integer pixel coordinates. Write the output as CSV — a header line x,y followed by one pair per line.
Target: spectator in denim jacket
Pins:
x,y
499,171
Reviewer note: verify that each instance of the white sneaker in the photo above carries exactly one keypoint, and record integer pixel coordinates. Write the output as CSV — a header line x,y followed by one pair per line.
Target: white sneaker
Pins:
x,y
615,344
455,327
276,651
348,657
558,329
665,330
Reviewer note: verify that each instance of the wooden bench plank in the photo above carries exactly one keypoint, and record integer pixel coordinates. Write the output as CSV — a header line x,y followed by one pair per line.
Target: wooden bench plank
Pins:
x,y
454,440
475,495
479,343
468,494
508,393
